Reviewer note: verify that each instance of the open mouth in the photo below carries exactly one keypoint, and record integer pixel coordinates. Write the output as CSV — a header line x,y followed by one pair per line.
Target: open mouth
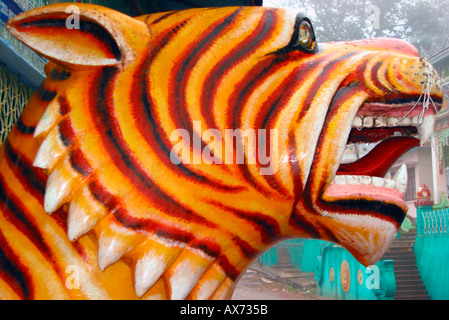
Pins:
x,y
395,128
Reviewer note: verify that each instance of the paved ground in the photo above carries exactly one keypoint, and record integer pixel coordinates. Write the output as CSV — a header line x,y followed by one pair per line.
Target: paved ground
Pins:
x,y
264,283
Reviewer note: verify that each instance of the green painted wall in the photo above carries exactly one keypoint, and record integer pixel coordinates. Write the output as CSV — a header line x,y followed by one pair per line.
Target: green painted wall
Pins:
x,y
340,276
269,257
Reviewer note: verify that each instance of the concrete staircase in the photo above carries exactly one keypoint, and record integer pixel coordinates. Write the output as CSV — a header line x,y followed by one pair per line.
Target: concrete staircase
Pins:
x,y
289,273
409,285
283,259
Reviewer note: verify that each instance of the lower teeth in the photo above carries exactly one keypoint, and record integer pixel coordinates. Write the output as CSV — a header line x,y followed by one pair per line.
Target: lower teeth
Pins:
x,y
367,180
398,182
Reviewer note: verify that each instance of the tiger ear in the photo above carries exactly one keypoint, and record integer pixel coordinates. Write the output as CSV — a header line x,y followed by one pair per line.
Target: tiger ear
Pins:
x,y
80,35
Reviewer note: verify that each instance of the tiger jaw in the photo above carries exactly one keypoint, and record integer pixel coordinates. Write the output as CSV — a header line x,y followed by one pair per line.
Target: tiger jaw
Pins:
x,y
367,177
362,194
413,129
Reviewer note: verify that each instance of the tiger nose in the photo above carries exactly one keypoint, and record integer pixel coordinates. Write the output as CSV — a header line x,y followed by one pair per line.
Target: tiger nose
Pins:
x,y
406,75
424,77
434,80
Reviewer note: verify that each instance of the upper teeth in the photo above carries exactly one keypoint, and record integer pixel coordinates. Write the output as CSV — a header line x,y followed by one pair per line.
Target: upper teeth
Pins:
x,y
398,182
425,128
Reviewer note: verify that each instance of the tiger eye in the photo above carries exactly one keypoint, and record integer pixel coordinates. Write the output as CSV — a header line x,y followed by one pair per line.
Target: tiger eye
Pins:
x,y
305,35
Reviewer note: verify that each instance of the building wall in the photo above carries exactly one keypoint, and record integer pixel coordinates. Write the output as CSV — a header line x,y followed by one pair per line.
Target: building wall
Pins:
x,y
440,173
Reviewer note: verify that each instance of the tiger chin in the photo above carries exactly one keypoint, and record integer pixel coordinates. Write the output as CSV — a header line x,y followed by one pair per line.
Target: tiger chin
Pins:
x,y
88,178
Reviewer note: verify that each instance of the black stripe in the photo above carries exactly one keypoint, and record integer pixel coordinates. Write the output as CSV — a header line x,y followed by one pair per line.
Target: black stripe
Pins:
x,y
365,206
168,14
28,176
79,163
66,132
59,75
298,220
14,275
24,128
208,247
44,94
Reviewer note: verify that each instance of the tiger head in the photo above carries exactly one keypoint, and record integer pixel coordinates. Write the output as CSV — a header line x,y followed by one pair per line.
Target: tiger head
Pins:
x,y
118,88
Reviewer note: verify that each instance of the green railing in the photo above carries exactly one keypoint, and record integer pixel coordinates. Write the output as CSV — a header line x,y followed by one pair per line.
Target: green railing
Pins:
x,y
432,222
432,249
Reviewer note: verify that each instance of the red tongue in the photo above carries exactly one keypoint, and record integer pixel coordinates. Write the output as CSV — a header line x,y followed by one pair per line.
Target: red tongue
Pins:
x,y
380,159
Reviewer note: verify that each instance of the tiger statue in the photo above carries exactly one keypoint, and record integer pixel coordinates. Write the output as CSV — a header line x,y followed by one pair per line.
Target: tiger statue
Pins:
x,y
114,182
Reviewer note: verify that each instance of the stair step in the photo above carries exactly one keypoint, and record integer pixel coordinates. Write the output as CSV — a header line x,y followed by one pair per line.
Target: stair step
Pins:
x,y
403,261
406,236
404,283
406,274
400,254
402,276
287,265
399,259
283,266
408,266
412,297
400,248
421,293
411,290
401,241
402,268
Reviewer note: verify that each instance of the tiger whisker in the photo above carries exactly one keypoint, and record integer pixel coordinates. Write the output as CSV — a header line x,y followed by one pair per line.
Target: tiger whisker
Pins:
x,y
426,90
